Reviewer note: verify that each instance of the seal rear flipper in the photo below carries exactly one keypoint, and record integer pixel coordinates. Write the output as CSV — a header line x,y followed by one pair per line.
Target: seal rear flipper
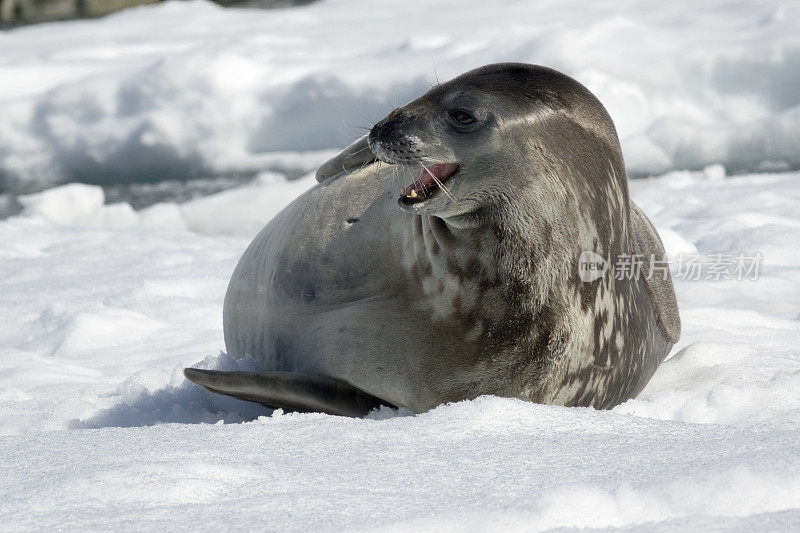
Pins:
x,y
658,281
289,391
353,157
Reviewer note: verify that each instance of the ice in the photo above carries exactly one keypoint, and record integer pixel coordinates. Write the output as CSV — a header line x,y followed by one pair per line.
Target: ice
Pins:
x,y
188,89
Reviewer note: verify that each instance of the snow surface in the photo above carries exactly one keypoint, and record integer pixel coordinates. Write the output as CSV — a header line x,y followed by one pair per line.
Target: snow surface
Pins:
x,y
187,89
103,306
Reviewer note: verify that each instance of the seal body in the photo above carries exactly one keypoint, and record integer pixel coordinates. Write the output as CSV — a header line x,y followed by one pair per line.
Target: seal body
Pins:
x,y
439,257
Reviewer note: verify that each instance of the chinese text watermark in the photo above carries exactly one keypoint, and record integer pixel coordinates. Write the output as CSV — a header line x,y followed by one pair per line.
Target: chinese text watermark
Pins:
x,y
687,267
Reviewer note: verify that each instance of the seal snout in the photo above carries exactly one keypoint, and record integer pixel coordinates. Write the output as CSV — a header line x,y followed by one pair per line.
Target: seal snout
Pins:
x,y
390,144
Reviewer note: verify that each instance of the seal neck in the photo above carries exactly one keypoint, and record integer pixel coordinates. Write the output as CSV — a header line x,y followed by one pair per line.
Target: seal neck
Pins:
x,y
447,249
462,276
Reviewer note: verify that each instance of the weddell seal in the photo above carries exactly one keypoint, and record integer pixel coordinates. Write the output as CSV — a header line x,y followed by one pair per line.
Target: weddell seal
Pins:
x,y
440,256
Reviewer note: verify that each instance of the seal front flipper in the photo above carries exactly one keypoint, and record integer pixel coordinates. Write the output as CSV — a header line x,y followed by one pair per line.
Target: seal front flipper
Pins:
x,y
289,391
353,157
647,244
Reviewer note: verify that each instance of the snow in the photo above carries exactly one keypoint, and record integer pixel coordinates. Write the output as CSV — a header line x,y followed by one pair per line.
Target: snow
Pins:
x,y
100,430
189,89
103,301
490,464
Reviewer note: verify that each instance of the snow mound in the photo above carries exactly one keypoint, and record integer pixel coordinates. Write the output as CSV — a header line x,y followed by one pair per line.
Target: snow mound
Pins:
x,y
186,89
239,211
152,396
76,204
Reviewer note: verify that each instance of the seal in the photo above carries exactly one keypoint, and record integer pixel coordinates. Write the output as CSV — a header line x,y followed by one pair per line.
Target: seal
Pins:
x,y
444,256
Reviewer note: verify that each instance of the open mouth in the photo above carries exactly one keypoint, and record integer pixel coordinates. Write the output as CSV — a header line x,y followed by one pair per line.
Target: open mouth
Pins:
x,y
430,180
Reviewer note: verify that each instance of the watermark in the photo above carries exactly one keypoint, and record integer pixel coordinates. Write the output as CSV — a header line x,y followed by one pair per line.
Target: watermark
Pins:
x,y
687,267
591,266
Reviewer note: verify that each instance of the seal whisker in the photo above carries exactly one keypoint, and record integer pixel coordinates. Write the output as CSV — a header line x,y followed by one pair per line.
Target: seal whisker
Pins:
x,y
437,180
396,181
364,149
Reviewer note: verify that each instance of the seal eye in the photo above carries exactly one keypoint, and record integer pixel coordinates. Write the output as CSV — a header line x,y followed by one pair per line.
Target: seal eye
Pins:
x,y
462,117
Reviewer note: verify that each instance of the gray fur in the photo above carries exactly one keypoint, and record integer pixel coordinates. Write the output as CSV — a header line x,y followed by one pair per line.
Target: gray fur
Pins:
x,y
471,292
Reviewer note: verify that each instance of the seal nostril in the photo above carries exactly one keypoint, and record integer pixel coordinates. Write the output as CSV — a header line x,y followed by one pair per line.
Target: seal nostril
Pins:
x,y
387,141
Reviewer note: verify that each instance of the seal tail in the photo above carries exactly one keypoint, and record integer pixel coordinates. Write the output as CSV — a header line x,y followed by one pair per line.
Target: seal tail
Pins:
x,y
289,391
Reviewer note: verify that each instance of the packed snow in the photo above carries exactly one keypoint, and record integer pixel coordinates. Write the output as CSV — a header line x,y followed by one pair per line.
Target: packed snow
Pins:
x,y
104,302
103,306
190,89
